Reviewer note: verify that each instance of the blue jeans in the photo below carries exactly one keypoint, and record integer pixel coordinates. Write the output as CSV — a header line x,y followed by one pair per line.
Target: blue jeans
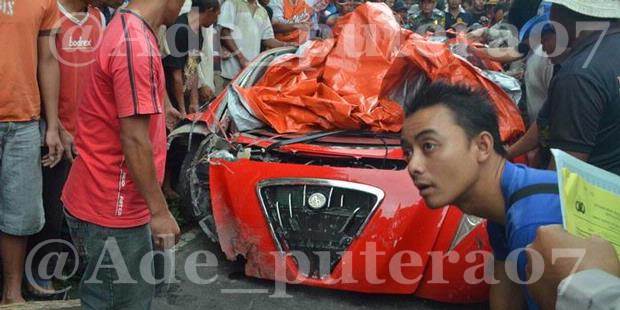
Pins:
x,y
21,203
113,257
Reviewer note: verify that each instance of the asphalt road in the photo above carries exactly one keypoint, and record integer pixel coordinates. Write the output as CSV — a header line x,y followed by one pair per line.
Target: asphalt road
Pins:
x,y
231,289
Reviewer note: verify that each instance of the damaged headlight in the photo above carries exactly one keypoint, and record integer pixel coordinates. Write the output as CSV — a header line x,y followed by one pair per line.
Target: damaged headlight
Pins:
x,y
467,225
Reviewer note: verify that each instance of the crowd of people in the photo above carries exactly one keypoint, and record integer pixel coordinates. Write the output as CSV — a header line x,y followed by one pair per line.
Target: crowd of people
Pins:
x,y
101,81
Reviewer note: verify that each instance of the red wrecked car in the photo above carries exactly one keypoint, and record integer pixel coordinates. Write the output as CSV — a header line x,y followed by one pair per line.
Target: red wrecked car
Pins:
x,y
297,166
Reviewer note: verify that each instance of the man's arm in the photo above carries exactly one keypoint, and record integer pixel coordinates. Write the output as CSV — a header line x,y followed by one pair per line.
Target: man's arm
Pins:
x,y
179,89
585,271
194,99
138,153
173,116
278,21
580,156
273,43
500,54
49,85
506,294
229,43
279,27
528,142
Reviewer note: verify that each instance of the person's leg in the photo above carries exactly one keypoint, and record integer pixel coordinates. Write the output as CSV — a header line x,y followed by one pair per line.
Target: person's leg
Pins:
x,y
21,206
112,278
53,182
218,81
12,252
136,246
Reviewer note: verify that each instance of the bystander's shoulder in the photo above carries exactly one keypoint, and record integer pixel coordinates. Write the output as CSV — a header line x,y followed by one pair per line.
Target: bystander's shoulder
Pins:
x,y
584,101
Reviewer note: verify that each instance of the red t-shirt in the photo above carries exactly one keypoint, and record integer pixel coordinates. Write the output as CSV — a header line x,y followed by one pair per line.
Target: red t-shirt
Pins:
x,y
76,43
126,79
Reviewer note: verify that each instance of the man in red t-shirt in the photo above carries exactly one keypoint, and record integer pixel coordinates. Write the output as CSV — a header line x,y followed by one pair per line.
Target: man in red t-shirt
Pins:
x,y
113,199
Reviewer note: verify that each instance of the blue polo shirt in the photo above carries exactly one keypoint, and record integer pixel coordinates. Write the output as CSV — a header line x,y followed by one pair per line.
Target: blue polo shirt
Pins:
x,y
524,216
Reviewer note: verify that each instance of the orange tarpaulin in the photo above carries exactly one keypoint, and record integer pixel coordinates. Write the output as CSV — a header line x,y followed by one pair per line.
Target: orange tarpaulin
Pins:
x,y
344,82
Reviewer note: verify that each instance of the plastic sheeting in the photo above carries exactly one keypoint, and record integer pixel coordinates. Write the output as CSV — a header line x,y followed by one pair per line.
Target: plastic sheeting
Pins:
x,y
348,81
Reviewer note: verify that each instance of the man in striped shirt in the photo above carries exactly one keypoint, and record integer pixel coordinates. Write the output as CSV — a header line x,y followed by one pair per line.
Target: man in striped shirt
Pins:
x,y
113,200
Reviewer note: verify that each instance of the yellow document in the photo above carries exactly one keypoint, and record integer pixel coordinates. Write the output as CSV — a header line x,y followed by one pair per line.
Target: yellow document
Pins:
x,y
590,199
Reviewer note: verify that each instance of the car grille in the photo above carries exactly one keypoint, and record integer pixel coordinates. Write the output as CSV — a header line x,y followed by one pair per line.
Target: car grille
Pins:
x,y
316,218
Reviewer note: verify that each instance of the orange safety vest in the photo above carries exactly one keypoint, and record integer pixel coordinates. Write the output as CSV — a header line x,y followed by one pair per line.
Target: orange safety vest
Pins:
x,y
300,12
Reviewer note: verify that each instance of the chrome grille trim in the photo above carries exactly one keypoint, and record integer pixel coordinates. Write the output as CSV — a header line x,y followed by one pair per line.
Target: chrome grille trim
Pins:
x,y
378,193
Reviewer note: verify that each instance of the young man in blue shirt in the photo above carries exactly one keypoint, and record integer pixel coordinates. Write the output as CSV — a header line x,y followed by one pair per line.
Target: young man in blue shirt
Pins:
x,y
451,137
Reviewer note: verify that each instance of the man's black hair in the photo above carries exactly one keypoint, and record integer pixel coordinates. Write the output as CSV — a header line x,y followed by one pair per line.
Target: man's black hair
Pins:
x,y
471,109
521,11
204,5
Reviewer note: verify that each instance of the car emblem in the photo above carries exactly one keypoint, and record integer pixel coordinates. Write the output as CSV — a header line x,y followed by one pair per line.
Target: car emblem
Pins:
x,y
317,201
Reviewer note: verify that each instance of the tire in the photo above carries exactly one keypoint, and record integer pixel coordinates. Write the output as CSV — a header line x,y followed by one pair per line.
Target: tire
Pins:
x,y
193,186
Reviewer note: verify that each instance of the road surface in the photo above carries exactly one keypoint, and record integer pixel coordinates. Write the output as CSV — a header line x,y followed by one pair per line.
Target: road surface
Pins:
x,y
232,290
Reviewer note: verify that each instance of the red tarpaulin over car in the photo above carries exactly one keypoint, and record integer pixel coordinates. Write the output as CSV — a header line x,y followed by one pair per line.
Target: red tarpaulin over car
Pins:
x,y
344,82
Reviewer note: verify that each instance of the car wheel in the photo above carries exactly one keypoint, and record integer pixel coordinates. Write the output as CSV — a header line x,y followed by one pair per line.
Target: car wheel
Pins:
x,y
193,187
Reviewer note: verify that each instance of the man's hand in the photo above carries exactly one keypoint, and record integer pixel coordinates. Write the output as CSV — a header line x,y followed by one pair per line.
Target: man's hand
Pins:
x,y
48,75
194,107
595,253
54,145
242,60
173,116
138,153
477,35
303,26
206,94
165,230
224,53
67,143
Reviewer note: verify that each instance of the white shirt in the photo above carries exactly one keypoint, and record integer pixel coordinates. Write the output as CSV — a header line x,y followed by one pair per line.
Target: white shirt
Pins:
x,y
247,30
591,289
538,74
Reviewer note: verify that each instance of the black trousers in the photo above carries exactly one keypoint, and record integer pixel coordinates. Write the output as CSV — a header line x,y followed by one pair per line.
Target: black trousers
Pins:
x,y
53,182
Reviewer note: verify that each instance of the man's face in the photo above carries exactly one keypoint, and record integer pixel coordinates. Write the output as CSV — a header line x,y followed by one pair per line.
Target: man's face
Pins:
x,y
209,17
558,15
548,42
479,4
454,4
173,7
441,158
499,15
427,6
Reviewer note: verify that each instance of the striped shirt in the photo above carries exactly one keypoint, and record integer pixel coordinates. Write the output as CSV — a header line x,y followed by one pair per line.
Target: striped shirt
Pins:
x,y
126,80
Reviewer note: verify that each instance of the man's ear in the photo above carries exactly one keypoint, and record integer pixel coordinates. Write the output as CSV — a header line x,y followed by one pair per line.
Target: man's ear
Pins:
x,y
484,144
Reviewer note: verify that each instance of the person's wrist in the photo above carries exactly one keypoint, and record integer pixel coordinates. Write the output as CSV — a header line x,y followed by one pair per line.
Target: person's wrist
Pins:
x,y
52,125
157,204
160,211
